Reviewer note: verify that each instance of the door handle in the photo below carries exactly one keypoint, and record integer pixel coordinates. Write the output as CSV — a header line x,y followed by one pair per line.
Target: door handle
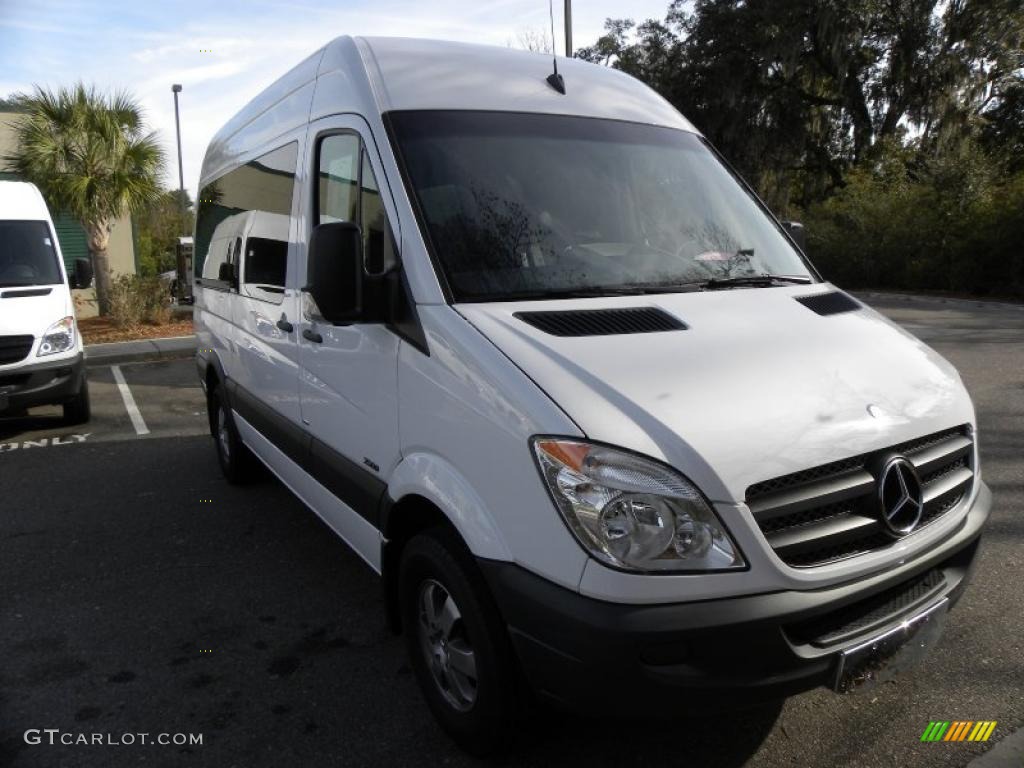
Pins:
x,y
313,336
284,325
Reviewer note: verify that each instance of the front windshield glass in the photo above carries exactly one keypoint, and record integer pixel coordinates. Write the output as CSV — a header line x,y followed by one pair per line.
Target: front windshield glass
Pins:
x,y
27,255
527,205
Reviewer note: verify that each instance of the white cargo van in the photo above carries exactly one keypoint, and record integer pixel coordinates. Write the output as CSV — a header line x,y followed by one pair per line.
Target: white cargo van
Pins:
x,y
41,360
551,369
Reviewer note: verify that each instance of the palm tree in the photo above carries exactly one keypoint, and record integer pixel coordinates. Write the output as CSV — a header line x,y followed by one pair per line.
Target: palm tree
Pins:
x,y
91,156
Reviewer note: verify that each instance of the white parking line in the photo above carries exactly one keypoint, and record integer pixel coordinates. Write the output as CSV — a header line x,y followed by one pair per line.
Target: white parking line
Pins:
x,y
129,402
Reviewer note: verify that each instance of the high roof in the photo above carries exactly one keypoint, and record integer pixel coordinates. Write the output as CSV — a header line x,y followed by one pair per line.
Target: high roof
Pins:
x,y
431,74
21,200
373,75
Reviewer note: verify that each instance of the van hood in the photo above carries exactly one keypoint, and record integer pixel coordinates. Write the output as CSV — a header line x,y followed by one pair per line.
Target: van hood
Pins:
x,y
32,309
757,386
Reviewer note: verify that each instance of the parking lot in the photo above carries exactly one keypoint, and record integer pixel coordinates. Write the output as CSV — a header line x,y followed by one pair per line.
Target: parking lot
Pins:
x,y
142,594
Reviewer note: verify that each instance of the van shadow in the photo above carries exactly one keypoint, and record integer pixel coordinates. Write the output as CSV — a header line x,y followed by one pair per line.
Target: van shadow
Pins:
x,y
15,426
723,740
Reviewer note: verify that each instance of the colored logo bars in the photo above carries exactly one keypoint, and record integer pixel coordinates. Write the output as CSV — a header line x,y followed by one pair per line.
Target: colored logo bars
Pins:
x,y
958,730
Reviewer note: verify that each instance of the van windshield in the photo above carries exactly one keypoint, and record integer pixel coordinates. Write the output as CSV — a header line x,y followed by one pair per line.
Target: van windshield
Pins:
x,y
27,255
530,206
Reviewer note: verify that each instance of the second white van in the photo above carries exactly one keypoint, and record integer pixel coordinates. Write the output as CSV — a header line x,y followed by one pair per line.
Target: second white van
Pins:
x,y
41,353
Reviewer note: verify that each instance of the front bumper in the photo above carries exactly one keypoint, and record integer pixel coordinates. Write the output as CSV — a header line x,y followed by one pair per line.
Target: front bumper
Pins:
x,y
586,653
47,383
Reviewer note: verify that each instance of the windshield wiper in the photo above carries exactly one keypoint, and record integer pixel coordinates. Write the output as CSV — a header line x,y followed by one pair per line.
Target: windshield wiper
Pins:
x,y
754,281
589,293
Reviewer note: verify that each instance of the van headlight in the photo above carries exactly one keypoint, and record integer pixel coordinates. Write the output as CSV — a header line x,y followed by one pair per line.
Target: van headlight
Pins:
x,y
59,337
633,513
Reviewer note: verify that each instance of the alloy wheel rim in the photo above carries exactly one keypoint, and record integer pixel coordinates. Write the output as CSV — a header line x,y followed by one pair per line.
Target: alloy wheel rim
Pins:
x,y
445,645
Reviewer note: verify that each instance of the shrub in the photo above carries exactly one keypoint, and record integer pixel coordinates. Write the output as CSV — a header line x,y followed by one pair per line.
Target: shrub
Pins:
x,y
954,224
135,299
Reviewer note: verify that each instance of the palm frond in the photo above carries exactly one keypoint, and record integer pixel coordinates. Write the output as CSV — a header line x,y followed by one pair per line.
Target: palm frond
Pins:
x,y
89,153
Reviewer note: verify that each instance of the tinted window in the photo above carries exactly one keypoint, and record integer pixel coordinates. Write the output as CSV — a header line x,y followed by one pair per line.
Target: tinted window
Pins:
x,y
338,178
256,194
266,262
534,205
27,255
348,191
378,245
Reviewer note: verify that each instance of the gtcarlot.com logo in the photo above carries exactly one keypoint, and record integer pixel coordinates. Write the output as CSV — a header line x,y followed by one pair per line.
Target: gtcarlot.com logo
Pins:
x,y
958,730
55,736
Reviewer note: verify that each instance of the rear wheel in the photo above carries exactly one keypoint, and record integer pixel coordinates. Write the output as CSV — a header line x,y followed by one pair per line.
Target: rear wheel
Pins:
x,y
457,643
78,410
236,461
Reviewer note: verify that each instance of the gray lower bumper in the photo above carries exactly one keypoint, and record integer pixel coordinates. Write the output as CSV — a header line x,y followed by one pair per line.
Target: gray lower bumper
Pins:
x,y
46,383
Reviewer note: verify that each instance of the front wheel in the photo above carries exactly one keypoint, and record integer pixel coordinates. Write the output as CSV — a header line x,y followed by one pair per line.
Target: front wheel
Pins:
x,y
78,410
236,460
458,645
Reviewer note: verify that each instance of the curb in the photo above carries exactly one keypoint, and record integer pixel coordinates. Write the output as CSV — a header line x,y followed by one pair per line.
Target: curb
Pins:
x,y
928,299
114,353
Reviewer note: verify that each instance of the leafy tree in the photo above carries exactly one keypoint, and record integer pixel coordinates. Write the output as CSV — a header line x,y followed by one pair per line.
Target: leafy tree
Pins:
x,y
893,128
159,225
794,92
92,156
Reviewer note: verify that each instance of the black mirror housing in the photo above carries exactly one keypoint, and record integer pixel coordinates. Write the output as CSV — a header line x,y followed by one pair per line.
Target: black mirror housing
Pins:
x,y
82,276
797,232
334,271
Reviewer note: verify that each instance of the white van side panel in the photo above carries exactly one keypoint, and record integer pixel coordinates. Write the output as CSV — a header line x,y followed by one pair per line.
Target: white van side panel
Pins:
x,y
467,406
362,537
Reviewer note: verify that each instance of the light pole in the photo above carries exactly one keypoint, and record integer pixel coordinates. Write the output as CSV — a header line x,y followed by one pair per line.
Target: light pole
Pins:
x,y
568,29
179,253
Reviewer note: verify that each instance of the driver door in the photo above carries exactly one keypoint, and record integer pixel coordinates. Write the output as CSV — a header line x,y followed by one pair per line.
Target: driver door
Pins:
x,y
348,389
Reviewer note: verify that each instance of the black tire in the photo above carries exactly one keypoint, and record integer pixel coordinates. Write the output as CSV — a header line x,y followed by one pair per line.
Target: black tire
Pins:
x,y
236,460
78,410
480,712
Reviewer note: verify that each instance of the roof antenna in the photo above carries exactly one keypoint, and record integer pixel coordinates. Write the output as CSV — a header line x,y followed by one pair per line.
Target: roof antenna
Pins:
x,y
554,79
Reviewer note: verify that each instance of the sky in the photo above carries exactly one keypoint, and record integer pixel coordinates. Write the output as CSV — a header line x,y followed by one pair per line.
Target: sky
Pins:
x,y
224,52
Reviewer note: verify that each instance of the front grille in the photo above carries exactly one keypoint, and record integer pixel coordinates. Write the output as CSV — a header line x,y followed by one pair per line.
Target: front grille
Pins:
x,y
14,348
829,513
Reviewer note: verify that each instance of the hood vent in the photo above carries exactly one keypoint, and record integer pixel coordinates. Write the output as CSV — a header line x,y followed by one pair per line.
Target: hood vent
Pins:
x,y
602,322
832,303
23,293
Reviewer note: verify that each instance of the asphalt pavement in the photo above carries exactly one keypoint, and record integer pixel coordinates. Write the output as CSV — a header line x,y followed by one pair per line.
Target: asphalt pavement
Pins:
x,y
143,595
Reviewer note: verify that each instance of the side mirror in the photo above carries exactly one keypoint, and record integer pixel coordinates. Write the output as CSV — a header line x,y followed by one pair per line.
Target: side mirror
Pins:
x,y
226,274
82,277
334,271
796,231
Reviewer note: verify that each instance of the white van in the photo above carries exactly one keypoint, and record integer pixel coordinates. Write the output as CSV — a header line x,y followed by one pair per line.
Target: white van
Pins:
x,y
556,374
41,359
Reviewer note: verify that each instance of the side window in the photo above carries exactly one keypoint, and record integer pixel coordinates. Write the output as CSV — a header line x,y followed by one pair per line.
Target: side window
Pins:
x,y
266,262
347,191
378,243
338,177
254,198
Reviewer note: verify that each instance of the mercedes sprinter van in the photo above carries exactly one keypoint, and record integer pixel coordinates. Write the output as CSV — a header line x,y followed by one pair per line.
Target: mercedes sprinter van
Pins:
x,y
41,357
545,363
